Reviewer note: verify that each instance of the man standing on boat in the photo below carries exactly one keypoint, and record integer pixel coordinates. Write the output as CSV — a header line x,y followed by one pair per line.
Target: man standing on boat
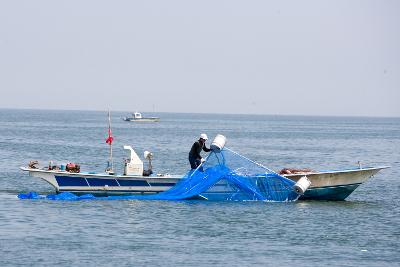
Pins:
x,y
195,158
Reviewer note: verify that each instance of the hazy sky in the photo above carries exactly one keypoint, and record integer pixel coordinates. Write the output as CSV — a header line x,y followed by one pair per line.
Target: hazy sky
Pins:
x,y
264,57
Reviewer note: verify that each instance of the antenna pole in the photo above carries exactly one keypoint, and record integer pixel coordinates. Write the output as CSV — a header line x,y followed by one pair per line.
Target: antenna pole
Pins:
x,y
110,143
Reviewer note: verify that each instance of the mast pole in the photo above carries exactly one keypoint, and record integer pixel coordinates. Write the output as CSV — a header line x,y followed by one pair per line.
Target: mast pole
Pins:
x,y
109,132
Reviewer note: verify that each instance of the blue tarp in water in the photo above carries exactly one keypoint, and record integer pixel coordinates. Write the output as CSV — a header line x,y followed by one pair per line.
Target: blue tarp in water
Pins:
x,y
241,178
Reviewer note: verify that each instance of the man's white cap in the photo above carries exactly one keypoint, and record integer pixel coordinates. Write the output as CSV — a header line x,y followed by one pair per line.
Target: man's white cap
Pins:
x,y
204,137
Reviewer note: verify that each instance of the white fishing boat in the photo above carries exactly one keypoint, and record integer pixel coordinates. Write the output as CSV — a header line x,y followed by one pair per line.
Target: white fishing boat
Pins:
x,y
138,117
325,185
335,184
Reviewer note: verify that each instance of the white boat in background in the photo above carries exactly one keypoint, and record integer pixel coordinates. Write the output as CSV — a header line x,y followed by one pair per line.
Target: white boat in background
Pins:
x,y
137,117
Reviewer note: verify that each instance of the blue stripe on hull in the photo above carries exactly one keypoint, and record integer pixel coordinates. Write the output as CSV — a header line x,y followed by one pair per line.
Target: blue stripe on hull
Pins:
x,y
70,181
340,192
132,182
102,182
162,184
81,181
109,193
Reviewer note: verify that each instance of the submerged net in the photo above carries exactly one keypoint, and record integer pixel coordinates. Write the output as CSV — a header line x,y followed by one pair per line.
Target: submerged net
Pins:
x,y
225,175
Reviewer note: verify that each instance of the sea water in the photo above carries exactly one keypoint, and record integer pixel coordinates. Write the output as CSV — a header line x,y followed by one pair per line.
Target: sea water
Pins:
x,y
361,231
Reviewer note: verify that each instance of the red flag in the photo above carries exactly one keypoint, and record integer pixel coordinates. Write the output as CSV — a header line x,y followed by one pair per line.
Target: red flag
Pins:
x,y
110,138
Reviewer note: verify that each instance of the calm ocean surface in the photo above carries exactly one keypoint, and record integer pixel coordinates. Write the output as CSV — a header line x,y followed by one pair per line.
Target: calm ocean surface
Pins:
x,y
364,230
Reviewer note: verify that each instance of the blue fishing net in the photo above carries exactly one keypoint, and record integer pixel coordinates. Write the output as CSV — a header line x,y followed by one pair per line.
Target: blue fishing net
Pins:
x,y
224,176
244,179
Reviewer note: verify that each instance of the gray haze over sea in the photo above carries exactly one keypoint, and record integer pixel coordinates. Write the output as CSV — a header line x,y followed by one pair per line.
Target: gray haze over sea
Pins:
x,y
361,231
306,57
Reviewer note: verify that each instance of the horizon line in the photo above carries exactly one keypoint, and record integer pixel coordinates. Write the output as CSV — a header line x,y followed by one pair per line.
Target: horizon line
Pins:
x,y
210,113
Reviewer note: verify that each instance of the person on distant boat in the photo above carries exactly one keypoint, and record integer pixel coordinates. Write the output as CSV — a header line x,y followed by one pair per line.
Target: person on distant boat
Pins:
x,y
195,158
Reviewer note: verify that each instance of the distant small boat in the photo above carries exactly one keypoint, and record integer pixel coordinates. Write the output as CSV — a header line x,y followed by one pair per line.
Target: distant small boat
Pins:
x,y
137,117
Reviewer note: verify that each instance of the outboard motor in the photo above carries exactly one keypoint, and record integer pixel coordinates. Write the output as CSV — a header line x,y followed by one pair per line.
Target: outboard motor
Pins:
x,y
149,156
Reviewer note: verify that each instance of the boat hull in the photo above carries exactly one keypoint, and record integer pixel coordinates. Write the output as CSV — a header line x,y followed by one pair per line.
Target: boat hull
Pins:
x,y
334,185
330,185
340,192
142,119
